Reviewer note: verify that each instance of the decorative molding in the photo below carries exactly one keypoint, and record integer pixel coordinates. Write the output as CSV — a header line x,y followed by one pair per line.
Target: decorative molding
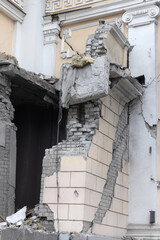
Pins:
x,y
119,36
54,6
18,3
50,30
148,13
11,10
100,11
65,53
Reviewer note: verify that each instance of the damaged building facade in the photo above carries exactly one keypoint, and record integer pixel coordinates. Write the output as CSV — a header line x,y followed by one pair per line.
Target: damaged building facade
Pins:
x,y
79,117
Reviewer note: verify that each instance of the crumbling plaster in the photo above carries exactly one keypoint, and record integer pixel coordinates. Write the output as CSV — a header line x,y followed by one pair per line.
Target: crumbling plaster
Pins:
x,y
81,117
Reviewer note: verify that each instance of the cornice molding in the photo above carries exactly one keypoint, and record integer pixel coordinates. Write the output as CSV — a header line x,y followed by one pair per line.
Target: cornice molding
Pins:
x,y
12,11
50,30
147,13
100,11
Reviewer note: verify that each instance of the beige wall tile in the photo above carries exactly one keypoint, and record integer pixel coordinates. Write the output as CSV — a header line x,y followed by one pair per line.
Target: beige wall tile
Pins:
x,y
103,126
108,143
125,167
125,180
102,156
95,198
120,178
78,179
91,181
89,213
125,208
63,210
121,192
76,212
106,101
111,132
114,106
122,221
100,184
63,180
73,163
50,195
117,205
111,219
108,231
72,195
89,164
69,226
93,151
97,168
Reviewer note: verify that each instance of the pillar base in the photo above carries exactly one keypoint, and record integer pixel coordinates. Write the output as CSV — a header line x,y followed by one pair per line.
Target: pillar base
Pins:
x,y
143,231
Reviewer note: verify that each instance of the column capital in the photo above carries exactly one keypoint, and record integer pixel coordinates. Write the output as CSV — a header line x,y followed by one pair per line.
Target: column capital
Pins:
x,y
142,15
51,30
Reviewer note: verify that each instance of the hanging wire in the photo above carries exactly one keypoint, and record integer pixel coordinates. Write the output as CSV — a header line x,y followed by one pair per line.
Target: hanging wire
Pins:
x,y
57,157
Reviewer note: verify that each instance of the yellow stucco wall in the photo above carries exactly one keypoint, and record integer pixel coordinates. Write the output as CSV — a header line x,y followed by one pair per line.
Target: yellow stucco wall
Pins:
x,y
78,40
6,33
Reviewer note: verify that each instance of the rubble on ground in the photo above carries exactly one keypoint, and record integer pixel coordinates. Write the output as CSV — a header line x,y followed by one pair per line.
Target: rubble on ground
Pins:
x,y
23,219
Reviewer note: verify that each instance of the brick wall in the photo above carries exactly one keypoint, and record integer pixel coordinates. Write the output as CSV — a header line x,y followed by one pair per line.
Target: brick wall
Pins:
x,y
7,186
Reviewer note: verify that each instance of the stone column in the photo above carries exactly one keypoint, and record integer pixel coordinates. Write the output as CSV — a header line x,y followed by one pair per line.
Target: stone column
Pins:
x,y
143,122
32,36
51,31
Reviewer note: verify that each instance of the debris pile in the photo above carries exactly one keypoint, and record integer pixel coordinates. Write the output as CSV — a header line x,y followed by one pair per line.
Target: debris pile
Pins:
x,y
23,219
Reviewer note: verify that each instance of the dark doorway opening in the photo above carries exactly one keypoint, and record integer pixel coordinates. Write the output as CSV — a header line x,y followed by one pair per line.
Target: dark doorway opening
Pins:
x,y
36,119
36,131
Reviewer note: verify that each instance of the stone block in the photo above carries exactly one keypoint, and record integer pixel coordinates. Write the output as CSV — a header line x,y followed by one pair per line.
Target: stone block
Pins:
x,y
91,181
62,211
72,195
73,163
70,226
93,151
50,195
12,234
28,235
97,168
78,179
76,212
50,236
89,213
100,184
87,83
117,205
63,180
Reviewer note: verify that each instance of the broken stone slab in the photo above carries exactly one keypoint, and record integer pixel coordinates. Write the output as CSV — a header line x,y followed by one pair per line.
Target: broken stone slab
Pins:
x,y
83,84
127,89
17,217
28,80
26,234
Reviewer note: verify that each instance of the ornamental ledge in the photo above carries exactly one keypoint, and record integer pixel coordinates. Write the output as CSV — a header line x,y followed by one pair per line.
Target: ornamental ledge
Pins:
x,y
53,6
151,12
18,3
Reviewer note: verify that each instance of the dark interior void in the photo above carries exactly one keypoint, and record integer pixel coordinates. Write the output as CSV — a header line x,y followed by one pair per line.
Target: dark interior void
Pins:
x,y
36,131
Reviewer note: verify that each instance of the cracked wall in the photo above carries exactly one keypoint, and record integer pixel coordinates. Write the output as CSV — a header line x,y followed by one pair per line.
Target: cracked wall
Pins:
x,y
81,179
120,145
81,125
110,214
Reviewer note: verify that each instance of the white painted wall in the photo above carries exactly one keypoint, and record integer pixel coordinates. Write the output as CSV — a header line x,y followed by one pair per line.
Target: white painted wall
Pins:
x,y
35,40
143,165
32,36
